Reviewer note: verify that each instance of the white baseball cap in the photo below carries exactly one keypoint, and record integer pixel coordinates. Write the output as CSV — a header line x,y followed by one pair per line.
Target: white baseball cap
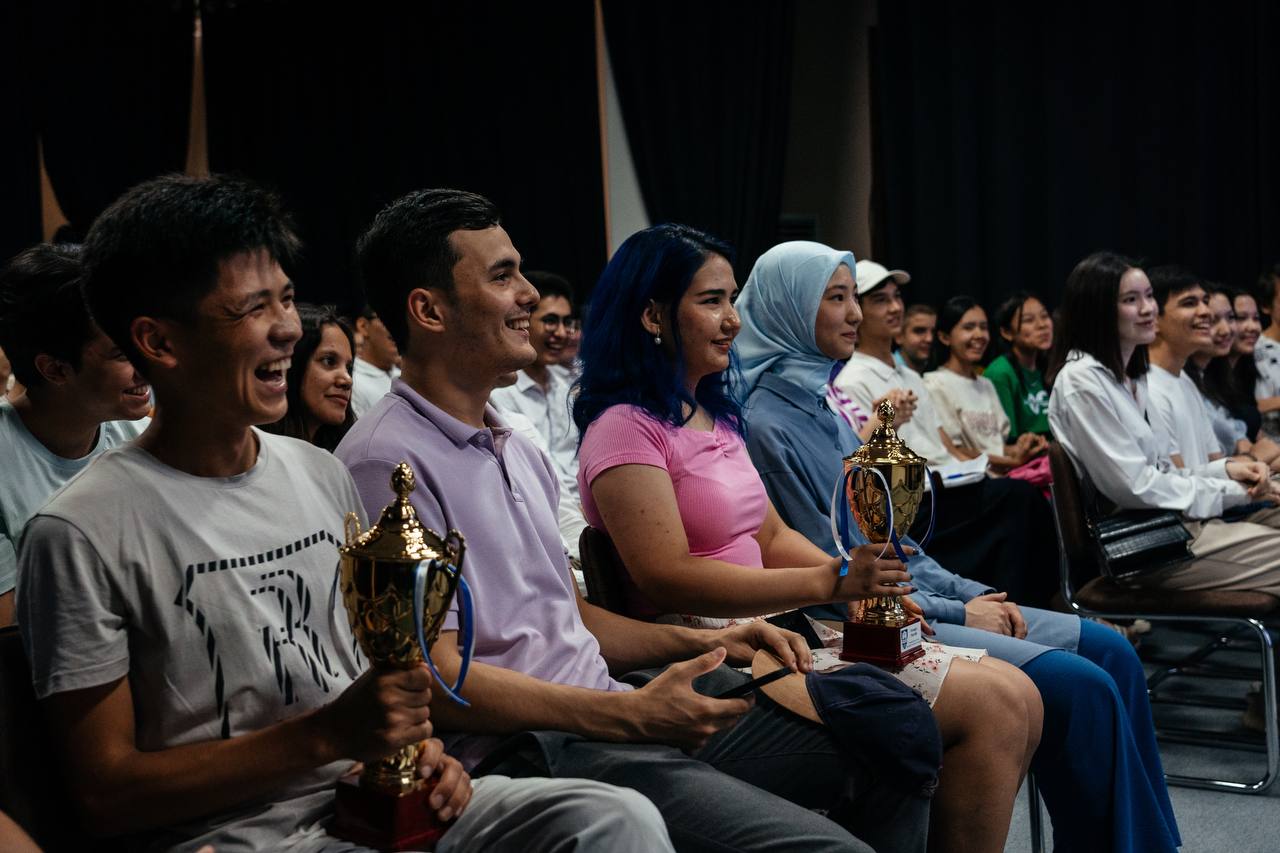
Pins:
x,y
871,275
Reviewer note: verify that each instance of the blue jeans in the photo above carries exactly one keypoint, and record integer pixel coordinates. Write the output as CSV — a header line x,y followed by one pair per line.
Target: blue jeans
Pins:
x,y
1098,765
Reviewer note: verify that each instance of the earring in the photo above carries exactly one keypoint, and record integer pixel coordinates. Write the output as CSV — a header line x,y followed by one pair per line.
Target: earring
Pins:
x,y
657,340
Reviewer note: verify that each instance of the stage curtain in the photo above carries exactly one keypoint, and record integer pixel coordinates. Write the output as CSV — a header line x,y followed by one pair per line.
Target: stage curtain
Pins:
x,y
115,102
19,160
343,108
705,92
1014,139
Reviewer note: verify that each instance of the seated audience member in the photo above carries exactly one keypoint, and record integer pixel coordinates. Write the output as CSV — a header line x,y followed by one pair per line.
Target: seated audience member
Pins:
x,y
913,346
81,396
1232,384
968,406
1211,368
178,601
665,471
1026,328
1266,353
799,321
568,366
998,531
318,380
872,373
1099,412
377,362
444,276
1184,325
541,395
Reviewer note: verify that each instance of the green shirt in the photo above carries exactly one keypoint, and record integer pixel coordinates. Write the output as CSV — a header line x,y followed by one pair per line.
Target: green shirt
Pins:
x,y
1022,394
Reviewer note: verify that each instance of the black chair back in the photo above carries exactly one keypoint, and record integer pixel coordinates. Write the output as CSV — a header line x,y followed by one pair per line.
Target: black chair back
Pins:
x,y
603,571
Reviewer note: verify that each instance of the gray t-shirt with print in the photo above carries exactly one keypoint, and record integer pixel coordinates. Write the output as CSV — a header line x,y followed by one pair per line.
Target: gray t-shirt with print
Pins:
x,y
32,473
217,597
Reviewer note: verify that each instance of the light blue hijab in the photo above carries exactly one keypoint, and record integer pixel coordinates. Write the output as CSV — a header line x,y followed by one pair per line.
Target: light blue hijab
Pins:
x,y
779,306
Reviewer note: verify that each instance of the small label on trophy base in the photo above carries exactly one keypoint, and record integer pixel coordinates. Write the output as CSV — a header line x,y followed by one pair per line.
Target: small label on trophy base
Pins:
x,y
386,821
892,647
910,635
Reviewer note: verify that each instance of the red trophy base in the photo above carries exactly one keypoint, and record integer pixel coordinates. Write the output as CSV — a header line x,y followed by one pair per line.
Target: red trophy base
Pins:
x,y
386,821
883,645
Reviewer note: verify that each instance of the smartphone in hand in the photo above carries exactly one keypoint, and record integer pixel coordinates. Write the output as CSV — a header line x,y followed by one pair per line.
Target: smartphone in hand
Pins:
x,y
754,684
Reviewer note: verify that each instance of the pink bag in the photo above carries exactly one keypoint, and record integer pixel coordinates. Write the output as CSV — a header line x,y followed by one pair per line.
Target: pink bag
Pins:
x,y
1036,472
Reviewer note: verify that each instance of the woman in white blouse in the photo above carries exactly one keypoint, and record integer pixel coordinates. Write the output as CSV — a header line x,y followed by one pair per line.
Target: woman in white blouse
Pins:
x,y
1097,410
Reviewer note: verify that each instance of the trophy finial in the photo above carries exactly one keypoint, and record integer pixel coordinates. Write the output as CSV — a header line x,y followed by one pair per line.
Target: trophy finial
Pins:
x,y
402,481
886,413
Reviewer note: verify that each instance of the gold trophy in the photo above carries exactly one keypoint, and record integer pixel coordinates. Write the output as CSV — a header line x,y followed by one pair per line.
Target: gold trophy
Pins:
x,y
883,482
398,580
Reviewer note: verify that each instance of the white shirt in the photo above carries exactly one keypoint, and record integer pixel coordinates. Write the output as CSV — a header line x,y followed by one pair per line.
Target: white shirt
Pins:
x,y
969,410
569,373
1103,425
369,384
1226,429
1266,355
866,379
548,411
1178,417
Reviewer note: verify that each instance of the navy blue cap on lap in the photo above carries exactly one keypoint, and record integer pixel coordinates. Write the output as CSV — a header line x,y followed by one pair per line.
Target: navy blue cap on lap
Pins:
x,y
874,715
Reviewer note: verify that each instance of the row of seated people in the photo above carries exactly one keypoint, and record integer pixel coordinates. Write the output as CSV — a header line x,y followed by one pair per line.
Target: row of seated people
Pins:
x,y
155,633
1234,366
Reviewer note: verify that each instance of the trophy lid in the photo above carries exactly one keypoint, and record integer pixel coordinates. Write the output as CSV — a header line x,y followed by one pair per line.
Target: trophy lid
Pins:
x,y
397,536
884,447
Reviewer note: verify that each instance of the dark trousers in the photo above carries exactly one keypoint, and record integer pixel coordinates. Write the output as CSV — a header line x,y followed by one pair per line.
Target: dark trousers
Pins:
x,y
763,785
997,531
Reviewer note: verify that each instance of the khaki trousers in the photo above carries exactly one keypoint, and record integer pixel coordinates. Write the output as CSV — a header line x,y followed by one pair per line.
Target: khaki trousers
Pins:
x,y
1238,555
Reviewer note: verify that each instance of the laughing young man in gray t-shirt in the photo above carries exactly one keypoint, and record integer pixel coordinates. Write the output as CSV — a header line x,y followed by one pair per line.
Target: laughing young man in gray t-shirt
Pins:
x,y
178,601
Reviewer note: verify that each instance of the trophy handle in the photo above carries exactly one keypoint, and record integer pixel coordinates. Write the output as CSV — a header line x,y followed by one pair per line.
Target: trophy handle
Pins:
x,y
467,625
840,519
351,527
933,515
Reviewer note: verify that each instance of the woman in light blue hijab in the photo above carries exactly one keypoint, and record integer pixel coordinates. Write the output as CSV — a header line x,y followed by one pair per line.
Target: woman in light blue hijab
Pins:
x,y
1097,765
778,305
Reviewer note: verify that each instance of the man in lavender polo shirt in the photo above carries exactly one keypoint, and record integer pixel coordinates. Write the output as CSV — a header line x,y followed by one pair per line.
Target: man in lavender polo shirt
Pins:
x,y
443,275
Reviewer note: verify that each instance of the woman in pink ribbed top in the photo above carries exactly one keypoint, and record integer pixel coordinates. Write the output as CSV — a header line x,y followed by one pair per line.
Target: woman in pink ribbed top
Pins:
x,y
719,496
663,468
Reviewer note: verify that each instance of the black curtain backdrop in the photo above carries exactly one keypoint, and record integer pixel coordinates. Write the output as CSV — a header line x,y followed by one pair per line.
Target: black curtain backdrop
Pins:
x,y
343,109
115,80
1016,138
19,158
705,91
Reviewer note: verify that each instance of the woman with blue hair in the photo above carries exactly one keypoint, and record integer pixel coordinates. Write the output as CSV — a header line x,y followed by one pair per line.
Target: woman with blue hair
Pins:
x,y
1097,765
663,469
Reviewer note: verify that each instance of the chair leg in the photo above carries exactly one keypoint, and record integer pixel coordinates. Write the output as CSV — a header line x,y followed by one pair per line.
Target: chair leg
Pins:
x,y
1272,727
1037,815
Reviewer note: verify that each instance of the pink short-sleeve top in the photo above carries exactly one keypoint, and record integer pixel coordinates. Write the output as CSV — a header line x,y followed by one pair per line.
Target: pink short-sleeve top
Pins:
x,y
720,496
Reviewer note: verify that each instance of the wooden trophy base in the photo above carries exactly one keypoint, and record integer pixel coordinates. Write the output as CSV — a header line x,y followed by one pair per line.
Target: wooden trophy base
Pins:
x,y
386,821
883,645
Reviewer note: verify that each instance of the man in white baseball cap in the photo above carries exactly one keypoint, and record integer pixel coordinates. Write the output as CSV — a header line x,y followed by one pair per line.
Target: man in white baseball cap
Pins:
x,y
871,275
